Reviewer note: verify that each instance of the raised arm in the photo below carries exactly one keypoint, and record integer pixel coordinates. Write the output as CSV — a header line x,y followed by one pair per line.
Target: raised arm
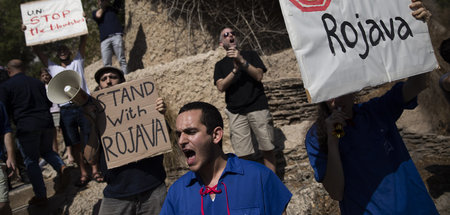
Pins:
x,y
413,86
416,84
255,73
333,180
42,57
37,50
101,8
82,46
240,62
223,83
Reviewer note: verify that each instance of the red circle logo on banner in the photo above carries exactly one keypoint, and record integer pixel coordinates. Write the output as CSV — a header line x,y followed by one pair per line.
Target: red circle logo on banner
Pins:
x,y
311,5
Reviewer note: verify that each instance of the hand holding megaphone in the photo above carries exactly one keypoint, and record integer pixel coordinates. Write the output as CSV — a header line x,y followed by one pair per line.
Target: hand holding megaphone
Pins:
x,y
65,87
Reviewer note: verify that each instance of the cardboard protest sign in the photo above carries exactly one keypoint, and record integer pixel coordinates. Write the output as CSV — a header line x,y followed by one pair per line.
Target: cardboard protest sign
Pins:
x,y
52,20
343,46
130,127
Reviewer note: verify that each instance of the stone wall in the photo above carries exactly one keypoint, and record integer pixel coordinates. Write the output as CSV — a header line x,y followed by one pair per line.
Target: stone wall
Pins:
x,y
288,101
153,37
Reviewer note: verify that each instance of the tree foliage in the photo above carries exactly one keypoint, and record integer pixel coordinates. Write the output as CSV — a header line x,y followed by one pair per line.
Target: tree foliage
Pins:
x,y
259,23
12,43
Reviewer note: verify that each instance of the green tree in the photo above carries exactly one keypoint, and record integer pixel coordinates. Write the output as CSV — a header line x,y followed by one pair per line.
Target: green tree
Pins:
x,y
12,42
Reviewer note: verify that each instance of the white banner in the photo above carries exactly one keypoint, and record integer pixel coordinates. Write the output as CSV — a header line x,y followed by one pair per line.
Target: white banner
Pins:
x,y
52,20
343,46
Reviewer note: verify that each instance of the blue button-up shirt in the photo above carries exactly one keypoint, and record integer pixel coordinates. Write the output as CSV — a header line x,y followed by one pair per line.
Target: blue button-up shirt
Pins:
x,y
250,187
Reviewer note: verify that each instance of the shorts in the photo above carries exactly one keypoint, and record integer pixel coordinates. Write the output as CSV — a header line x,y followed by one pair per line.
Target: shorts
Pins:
x,y
243,125
3,183
74,125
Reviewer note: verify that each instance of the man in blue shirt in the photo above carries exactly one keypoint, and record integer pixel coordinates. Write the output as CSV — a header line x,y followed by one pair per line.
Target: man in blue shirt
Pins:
x,y
111,31
369,169
219,183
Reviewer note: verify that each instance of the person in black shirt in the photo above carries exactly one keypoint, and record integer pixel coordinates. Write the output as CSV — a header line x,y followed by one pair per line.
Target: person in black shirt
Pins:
x,y
134,188
26,100
111,32
239,75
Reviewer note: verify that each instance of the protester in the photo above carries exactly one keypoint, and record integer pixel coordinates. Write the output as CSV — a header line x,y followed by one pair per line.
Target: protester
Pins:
x,y
444,81
54,110
137,187
239,75
74,125
219,183
369,169
3,77
111,32
26,101
8,143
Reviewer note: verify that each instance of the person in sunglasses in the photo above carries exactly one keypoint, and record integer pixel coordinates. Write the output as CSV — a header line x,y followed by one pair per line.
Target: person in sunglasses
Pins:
x,y
239,75
137,187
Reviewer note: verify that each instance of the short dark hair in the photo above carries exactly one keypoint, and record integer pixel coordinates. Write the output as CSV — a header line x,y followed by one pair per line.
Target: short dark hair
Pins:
x,y
444,50
211,117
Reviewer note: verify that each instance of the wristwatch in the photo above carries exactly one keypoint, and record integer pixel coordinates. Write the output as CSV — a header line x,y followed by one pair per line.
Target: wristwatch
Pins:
x,y
246,65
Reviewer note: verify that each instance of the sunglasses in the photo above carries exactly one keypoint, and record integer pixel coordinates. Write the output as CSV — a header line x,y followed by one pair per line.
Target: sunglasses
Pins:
x,y
110,77
226,34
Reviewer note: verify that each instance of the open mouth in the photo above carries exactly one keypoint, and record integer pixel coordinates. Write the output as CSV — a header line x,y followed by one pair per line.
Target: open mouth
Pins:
x,y
190,156
231,40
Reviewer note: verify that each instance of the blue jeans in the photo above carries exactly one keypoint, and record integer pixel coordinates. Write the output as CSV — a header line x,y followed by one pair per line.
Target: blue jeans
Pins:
x,y
74,125
35,144
114,43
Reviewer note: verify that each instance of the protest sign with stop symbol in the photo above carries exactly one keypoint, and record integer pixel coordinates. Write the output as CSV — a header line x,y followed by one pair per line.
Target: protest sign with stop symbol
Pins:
x,y
311,5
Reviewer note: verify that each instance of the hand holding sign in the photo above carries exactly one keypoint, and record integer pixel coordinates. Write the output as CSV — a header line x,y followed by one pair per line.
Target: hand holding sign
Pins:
x,y
160,106
132,126
420,12
343,46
